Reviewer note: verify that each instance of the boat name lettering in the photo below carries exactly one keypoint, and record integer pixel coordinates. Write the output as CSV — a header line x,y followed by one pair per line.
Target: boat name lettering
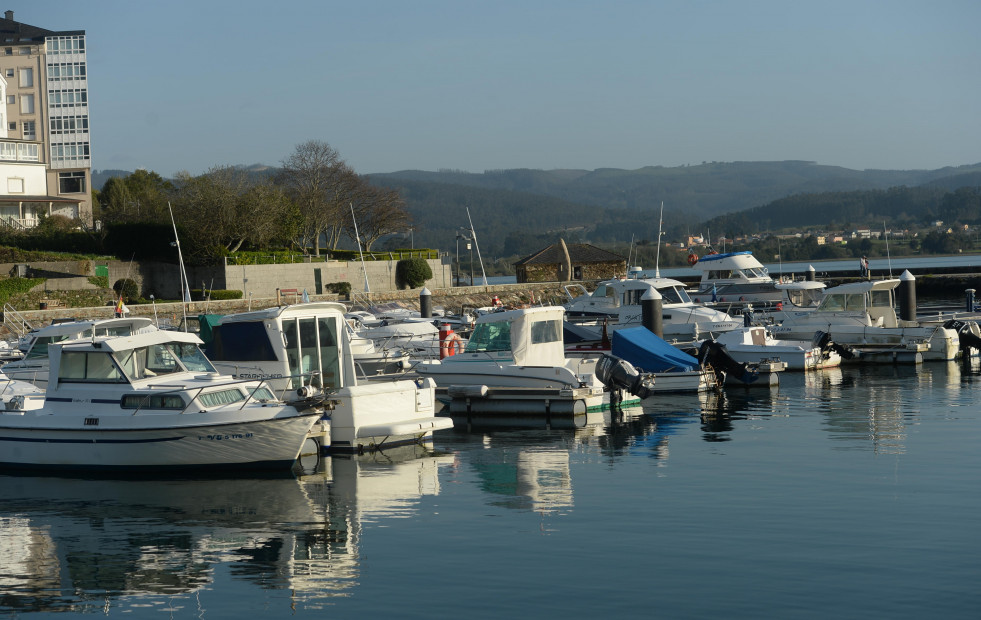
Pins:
x,y
225,437
259,375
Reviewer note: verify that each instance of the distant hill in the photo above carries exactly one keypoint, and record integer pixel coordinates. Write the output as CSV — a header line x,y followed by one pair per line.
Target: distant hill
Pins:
x,y
516,212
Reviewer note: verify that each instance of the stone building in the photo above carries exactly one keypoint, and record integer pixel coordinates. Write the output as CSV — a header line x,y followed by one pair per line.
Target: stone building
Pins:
x,y
561,263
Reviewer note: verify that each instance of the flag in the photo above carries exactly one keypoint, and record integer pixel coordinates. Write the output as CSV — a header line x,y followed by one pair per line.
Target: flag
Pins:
x,y
120,307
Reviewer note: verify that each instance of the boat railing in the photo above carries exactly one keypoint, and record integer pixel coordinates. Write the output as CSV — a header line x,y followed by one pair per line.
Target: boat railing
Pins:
x,y
15,321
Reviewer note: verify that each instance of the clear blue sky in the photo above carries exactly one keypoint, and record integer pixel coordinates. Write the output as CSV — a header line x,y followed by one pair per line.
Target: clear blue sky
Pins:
x,y
418,84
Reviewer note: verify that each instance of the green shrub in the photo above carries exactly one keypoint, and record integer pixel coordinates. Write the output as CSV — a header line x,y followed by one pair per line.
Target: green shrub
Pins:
x,y
339,288
128,289
10,287
100,281
412,273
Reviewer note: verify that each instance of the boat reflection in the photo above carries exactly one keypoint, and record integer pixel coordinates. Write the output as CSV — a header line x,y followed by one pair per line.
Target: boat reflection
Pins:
x,y
91,545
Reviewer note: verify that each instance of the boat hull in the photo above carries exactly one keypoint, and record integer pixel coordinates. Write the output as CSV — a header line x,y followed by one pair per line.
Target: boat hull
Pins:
x,y
28,441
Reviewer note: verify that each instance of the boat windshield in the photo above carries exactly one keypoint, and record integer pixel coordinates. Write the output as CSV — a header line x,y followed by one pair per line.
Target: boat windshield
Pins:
x,y
674,295
486,337
162,359
838,302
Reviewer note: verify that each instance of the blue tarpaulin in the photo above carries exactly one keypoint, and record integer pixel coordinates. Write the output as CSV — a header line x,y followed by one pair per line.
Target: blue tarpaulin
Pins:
x,y
646,351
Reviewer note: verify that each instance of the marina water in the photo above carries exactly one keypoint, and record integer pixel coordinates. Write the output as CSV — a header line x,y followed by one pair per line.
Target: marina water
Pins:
x,y
850,492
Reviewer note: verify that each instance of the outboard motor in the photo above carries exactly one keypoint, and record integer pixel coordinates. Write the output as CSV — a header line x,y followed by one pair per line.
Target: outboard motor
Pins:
x,y
619,374
967,336
717,356
823,341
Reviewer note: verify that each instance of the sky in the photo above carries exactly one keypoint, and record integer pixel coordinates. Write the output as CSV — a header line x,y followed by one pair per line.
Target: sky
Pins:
x,y
548,84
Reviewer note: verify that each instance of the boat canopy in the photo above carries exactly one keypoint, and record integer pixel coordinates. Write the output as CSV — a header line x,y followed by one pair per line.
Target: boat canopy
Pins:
x,y
646,351
533,335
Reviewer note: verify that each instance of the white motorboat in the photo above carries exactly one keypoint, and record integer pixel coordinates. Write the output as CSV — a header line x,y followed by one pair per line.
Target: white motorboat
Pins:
x,y
738,277
33,366
863,315
520,348
303,352
617,304
149,401
757,344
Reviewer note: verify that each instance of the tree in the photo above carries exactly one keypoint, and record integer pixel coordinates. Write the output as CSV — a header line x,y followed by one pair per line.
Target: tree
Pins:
x,y
379,211
412,273
318,182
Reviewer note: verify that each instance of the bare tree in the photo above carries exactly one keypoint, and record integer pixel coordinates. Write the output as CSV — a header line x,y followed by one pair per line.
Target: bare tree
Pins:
x,y
315,178
379,211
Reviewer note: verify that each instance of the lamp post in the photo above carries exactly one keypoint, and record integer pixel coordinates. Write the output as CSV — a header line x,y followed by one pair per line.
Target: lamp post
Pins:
x,y
412,241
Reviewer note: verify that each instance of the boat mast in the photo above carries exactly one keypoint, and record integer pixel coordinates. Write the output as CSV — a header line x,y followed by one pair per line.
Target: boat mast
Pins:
x,y
657,260
357,237
473,233
185,289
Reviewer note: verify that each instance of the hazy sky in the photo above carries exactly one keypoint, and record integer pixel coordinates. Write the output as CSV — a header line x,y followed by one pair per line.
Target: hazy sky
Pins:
x,y
417,84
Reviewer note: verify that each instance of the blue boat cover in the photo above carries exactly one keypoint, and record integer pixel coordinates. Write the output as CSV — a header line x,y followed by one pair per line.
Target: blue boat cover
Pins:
x,y
646,351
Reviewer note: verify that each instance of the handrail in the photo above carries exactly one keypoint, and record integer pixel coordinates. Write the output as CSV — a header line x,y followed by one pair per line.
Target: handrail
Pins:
x,y
20,328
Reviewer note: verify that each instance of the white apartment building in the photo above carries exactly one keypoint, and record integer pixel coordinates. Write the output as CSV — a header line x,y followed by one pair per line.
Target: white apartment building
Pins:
x,y
45,159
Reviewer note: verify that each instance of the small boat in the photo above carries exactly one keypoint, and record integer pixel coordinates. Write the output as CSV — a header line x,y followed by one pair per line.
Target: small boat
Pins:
x,y
673,370
616,304
756,344
147,402
862,315
33,366
520,349
302,351
737,277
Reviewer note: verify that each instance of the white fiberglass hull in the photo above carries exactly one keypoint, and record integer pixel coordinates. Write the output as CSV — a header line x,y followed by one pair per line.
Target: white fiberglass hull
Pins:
x,y
238,438
944,343
796,358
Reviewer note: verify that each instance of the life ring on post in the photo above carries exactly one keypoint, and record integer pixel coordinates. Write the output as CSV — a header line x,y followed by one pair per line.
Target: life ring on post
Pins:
x,y
692,259
451,345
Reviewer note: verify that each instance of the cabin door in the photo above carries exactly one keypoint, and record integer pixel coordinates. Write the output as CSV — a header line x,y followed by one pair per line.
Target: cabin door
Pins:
x,y
311,346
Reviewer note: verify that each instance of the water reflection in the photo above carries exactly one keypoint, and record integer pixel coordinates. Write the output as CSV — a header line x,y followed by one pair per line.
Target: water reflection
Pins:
x,y
91,545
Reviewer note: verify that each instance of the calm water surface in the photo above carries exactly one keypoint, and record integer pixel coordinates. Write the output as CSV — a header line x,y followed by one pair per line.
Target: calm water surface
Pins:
x,y
848,493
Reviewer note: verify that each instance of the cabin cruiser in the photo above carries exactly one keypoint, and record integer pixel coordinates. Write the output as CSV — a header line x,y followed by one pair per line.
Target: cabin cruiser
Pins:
x,y
863,315
302,352
33,366
520,348
145,402
738,277
617,303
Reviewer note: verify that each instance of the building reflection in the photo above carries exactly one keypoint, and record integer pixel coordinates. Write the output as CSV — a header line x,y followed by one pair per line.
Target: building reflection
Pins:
x,y
88,545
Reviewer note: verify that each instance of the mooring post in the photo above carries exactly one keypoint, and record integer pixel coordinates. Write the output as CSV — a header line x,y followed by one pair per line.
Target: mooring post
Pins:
x,y
969,300
652,311
426,303
907,296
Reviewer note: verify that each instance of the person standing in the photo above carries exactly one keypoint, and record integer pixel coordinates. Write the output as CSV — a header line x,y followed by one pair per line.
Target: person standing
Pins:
x,y
863,264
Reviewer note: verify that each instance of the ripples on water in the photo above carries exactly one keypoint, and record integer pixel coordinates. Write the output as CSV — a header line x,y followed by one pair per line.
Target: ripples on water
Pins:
x,y
848,492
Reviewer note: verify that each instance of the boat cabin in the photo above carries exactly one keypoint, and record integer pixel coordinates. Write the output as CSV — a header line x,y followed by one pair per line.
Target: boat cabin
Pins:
x,y
290,346
732,267
527,336
858,298
625,292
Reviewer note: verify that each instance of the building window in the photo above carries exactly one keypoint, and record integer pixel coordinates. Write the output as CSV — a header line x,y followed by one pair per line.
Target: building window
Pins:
x,y
27,78
27,104
61,71
12,127
69,125
8,51
25,51
68,97
15,185
11,99
30,130
10,73
71,182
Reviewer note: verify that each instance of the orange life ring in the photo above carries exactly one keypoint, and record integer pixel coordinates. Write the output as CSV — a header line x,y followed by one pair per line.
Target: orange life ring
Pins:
x,y
451,345
692,259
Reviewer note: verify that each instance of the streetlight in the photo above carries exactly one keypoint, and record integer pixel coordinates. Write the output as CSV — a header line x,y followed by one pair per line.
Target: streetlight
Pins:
x,y
412,242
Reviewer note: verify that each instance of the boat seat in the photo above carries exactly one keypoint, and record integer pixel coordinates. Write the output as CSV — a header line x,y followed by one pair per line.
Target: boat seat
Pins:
x,y
405,427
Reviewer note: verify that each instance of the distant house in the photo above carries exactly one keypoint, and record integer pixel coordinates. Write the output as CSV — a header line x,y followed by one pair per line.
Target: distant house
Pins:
x,y
561,263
